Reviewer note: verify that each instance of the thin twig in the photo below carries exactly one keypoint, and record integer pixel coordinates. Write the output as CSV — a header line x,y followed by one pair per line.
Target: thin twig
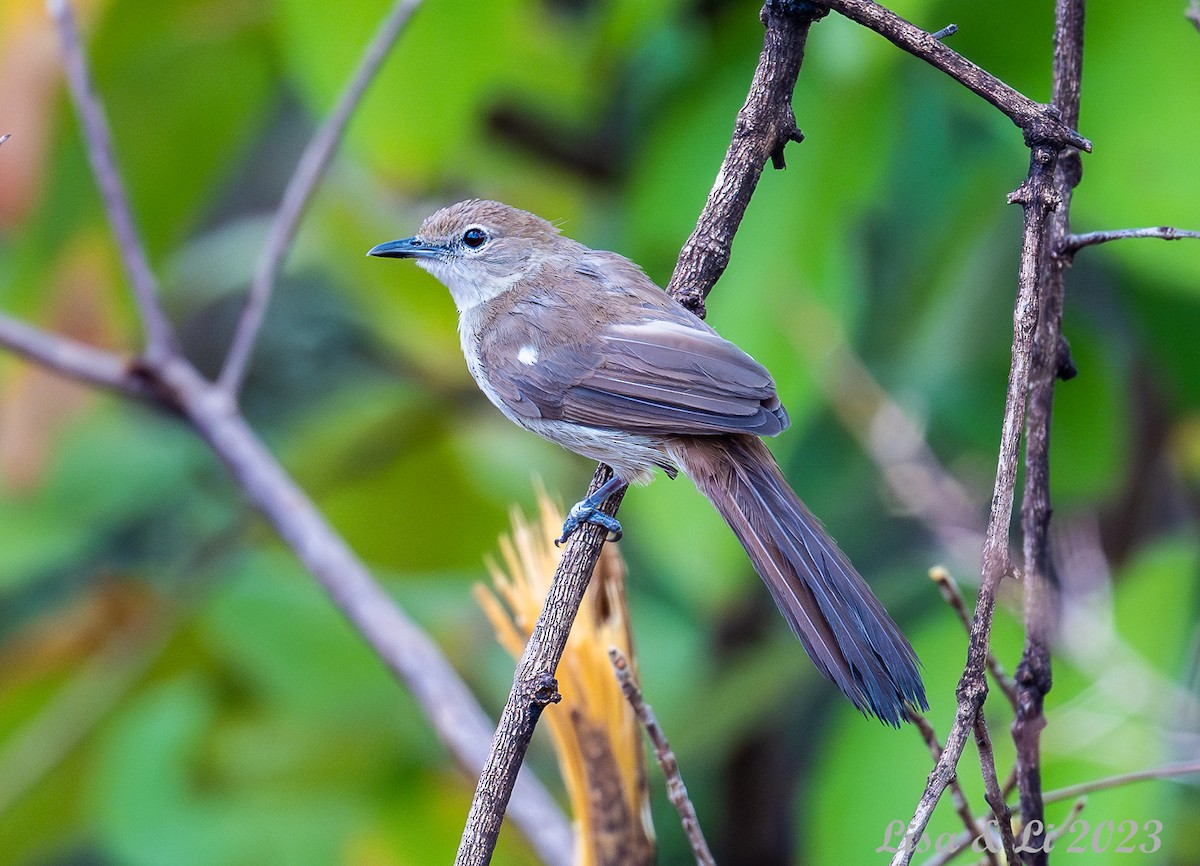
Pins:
x,y
676,790
972,827
5,137
991,788
309,171
948,30
1074,243
1037,121
160,338
1169,771
952,595
1193,13
1064,826
764,126
1037,197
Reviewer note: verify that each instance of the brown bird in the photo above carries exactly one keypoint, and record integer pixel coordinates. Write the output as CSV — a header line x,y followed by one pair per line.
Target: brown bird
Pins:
x,y
580,347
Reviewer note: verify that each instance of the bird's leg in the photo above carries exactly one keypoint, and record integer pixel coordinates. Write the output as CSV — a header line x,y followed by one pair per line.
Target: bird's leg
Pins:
x,y
585,511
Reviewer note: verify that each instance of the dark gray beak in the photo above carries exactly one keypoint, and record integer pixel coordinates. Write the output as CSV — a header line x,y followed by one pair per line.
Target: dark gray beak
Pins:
x,y
407,248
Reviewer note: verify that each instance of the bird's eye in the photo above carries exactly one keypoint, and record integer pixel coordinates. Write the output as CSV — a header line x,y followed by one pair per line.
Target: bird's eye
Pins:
x,y
474,238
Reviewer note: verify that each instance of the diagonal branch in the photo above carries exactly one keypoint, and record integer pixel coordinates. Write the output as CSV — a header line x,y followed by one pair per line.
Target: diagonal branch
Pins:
x,y
534,685
764,126
1037,196
676,790
400,643
1050,358
1040,123
160,338
973,828
309,171
163,374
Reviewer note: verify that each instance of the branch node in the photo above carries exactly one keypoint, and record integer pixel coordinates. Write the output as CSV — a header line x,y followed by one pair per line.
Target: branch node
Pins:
x,y
693,299
1020,195
545,692
792,9
1065,365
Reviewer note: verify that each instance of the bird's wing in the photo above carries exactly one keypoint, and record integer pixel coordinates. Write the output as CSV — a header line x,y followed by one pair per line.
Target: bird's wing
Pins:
x,y
658,371
661,375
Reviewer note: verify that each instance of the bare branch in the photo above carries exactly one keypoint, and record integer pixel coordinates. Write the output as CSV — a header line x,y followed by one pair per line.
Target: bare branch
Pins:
x,y
1038,199
991,787
951,594
400,643
1073,243
972,827
160,338
443,696
74,360
1039,122
534,685
1049,358
676,790
1170,771
764,126
309,172
1193,13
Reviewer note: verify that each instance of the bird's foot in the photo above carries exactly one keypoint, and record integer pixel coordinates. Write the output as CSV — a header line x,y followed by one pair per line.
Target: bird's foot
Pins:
x,y
585,512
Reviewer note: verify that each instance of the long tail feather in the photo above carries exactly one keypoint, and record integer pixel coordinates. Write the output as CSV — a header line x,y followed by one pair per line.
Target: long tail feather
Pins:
x,y
842,625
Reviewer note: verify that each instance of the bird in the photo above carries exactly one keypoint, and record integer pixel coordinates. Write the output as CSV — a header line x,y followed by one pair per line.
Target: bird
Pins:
x,y
581,347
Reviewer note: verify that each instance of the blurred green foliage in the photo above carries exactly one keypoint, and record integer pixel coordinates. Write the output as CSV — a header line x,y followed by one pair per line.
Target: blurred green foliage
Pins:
x,y
174,689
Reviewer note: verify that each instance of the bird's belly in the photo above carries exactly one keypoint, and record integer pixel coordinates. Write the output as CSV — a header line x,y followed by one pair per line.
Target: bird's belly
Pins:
x,y
632,456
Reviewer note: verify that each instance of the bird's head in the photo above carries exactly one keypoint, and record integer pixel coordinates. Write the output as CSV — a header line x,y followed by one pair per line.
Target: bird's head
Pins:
x,y
478,248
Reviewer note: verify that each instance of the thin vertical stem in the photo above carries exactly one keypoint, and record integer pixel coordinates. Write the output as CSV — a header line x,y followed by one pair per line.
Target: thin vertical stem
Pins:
x,y
309,171
160,338
1050,360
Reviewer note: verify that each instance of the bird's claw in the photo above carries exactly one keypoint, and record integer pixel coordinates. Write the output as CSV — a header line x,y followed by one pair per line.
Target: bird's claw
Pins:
x,y
582,513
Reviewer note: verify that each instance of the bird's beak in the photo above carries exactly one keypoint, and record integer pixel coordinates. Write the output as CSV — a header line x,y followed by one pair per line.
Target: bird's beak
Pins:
x,y
408,248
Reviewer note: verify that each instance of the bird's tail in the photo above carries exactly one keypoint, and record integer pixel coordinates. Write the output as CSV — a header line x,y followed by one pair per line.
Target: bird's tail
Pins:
x,y
843,626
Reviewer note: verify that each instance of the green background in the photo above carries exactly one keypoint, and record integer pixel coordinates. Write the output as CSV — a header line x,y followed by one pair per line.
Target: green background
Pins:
x,y
174,689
